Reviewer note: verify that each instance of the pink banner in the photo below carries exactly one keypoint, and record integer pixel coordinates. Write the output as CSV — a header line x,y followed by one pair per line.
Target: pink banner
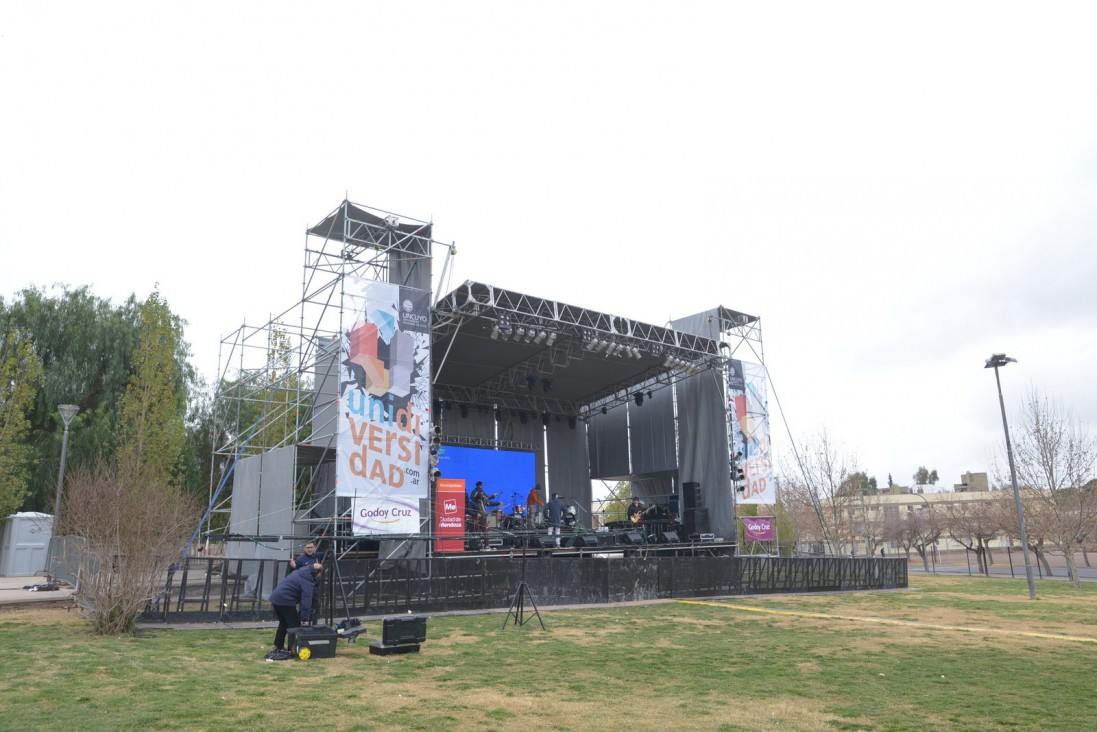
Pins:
x,y
758,528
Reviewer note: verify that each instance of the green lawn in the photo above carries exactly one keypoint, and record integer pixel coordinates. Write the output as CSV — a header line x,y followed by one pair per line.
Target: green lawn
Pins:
x,y
969,654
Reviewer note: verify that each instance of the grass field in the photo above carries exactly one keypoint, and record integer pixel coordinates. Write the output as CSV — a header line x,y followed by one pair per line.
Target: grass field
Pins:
x,y
951,654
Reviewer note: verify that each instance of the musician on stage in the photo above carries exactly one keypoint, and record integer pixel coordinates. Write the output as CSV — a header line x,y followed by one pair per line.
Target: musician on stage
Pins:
x,y
636,510
480,502
533,504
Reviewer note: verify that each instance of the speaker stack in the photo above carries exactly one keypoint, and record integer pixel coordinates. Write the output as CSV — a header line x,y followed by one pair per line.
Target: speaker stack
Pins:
x,y
694,513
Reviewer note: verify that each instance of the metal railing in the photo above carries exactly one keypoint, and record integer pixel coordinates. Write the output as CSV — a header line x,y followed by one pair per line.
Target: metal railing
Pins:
x,y
237,590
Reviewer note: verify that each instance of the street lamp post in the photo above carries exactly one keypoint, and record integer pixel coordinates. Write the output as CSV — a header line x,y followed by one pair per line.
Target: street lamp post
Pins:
x,y
994,362
68,411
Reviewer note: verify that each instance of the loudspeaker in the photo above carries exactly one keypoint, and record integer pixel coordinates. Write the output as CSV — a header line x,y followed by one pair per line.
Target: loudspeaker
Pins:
x,y
695,521
582,540
691,496
632,537
670,537
546,542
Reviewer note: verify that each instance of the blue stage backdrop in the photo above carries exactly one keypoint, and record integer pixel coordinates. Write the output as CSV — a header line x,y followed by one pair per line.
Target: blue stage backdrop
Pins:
x,y
509,473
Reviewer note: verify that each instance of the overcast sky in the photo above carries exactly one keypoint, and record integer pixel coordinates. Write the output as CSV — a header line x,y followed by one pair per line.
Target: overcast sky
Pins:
x,y
897,190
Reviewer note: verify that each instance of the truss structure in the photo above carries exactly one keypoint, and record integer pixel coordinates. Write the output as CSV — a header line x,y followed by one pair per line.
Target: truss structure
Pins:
x,y
270,390
561,336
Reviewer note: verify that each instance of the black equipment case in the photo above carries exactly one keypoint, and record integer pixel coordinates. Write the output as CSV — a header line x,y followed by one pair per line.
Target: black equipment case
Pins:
x,y
317,641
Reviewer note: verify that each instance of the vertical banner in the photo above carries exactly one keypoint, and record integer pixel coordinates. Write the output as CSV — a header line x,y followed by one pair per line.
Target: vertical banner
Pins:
x,y
449,515
384,406
758,528
750,432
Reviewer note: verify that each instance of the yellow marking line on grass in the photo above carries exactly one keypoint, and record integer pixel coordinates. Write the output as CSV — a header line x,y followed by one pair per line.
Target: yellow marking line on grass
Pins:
x,y
886,621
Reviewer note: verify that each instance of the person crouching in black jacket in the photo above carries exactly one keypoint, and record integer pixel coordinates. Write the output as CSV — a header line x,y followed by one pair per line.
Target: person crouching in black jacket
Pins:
x,y
296,589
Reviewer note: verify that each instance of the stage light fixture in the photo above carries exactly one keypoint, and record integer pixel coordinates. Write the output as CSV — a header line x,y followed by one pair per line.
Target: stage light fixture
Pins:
x,y
531,381
546,385
636,353
495,331
639,398
519,332
669,362
529,335
545,419
551,338
541,335
591,343
604,410
649,395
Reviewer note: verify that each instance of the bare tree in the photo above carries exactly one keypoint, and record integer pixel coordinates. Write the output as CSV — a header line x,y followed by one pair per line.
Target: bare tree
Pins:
x,y
915,529
1057,459
129,533
815,489
973,524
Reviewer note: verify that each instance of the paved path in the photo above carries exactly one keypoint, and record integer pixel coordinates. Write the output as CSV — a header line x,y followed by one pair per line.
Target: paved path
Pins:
x,y
14,594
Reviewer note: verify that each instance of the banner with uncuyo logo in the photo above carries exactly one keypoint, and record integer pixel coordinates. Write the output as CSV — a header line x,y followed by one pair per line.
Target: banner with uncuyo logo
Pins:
x,y
384,406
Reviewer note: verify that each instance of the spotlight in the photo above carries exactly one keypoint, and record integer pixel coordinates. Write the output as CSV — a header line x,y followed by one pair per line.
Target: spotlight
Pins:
x,y
546,385
591,344
541,335
639,397
551,338
495,331
519,332
649,395
604,410
669,362
636,354
602,343
531,381
529,335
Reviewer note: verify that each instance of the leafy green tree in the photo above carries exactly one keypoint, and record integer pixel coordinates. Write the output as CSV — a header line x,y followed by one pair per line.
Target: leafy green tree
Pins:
x,y
922,476
20,376
152,432
84,345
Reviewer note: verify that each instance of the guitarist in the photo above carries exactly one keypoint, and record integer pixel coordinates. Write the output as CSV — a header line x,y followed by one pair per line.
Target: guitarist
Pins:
x,y
636,511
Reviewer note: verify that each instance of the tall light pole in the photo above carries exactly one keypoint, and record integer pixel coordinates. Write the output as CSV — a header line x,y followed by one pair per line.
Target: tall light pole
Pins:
x,y
68,411
994,362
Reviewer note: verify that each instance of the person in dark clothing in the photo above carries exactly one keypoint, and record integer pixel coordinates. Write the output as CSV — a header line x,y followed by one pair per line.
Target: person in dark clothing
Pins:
x,y
554,516
296,589
308,558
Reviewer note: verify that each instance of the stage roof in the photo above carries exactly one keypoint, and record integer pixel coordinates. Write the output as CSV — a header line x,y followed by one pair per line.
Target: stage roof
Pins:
x,y
493,346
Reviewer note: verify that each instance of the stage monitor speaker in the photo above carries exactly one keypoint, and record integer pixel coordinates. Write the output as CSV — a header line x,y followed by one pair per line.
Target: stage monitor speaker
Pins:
x,y
632,537
671,537
546,542
584,540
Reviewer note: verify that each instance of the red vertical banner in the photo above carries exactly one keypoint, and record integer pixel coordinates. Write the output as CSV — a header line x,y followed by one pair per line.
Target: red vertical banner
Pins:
x,y
449,515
